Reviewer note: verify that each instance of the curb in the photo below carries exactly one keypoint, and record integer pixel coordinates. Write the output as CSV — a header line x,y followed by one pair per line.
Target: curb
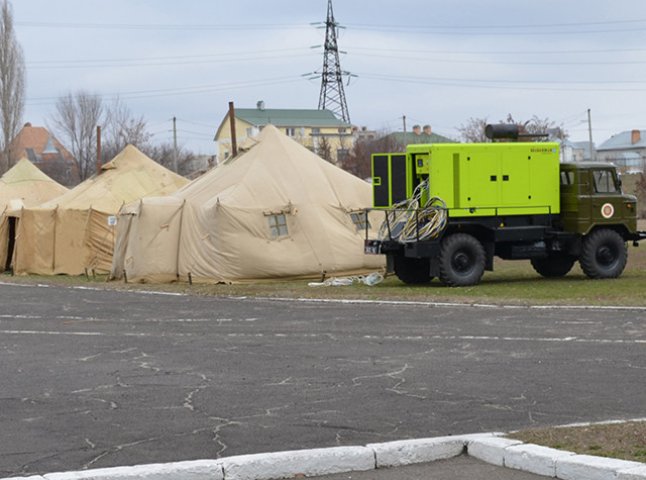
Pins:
x,y
488,447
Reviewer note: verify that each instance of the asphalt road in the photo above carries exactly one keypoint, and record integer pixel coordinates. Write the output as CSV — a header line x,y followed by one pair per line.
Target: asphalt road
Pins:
x,y
93,378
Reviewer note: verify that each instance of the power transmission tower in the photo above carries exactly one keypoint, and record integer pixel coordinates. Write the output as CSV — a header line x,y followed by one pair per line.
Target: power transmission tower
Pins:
x,y
332,96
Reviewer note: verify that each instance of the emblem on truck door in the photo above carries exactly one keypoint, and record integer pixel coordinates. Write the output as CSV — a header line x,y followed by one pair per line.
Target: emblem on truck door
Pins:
x,y
607,210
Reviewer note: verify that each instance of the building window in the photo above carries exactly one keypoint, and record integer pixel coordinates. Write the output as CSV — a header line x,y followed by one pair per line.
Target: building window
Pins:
x,y
360,220
342,154
290,131
316,131
342,130
277,225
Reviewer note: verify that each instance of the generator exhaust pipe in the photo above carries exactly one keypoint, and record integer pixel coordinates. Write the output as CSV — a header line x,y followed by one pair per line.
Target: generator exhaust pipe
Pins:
x,y
509,131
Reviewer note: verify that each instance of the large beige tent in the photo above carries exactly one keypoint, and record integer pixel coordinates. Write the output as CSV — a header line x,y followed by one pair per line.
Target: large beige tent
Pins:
x,y
24,185
75,232
275,211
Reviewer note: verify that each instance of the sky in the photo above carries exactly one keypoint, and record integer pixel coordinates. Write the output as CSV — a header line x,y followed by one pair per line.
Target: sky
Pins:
x,y
435,62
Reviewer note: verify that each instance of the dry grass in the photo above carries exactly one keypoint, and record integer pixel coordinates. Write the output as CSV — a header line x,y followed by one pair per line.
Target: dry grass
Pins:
x,y
626,441
511,282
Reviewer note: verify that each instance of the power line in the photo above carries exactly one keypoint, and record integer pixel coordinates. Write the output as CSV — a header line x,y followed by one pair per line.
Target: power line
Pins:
x,y
504,62
173,60
503,52
179,91
161,26
360,26
510,84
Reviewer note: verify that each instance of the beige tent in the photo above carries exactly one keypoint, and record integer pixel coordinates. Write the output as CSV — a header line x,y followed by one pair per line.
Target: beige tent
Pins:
x,y
24,185
275,211
75,231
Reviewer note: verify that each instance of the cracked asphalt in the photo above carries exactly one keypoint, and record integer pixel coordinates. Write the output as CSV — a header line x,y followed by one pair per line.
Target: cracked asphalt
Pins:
x,y
93,378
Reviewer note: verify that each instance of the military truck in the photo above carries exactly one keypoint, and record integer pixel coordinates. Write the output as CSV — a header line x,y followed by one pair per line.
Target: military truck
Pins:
x,y
449,209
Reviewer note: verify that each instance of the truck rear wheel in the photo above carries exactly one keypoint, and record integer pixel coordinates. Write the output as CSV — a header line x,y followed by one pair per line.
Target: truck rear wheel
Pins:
x,y
462,260
412,270
554,265
604,254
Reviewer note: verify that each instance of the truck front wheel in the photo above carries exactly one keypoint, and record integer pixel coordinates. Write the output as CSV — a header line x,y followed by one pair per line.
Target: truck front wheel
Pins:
x,y
412,270
554,265
462,260
604,254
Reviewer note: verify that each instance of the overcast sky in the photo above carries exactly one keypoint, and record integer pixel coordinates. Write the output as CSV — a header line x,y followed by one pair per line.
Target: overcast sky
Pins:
x,y
437,62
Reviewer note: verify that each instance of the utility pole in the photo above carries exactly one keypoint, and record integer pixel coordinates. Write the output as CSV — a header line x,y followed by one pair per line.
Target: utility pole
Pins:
x,y
232,124
593,155
332,96
175,161
98,149
404,119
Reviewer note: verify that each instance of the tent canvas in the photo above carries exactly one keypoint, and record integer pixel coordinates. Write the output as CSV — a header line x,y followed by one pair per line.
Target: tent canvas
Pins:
x,y
24,184
275,211
75,231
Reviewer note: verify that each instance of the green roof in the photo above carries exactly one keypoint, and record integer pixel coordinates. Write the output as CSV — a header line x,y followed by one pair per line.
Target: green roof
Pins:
x,y
289,117
412,138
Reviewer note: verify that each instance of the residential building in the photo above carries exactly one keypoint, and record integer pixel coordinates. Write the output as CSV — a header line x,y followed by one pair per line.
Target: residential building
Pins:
x,y
572,152
318,130
43,150
418,135
627,150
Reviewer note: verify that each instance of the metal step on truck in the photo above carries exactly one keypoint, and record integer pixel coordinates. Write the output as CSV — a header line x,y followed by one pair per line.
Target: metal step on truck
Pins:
x,y
449,209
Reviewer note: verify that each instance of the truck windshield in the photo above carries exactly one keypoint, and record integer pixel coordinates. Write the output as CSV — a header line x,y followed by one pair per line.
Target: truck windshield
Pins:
x,y
604,182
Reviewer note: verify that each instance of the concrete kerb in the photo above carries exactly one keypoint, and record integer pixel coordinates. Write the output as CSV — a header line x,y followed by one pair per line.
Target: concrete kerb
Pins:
x,y
488,447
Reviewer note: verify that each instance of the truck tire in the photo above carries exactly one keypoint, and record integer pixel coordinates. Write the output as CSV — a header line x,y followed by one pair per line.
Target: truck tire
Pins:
x,y
554,265
462,260
413,271
604,254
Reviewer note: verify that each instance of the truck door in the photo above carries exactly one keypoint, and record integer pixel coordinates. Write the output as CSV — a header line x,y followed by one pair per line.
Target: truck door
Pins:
x,y
606,202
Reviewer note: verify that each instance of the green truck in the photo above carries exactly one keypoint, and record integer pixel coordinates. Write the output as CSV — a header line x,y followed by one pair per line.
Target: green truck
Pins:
x,y
449,209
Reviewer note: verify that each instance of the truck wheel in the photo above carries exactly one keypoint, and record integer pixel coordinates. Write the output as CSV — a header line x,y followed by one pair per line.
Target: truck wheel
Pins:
x,y
462,260
604,254
554,265
412,270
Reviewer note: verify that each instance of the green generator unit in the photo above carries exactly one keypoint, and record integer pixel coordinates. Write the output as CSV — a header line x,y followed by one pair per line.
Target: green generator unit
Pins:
x,y
473,179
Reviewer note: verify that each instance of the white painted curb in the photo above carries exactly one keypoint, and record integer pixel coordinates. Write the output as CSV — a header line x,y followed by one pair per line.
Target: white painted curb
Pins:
x,y
534,459
321,461
406,452
194,470
638,473
488,447
490,450
588,467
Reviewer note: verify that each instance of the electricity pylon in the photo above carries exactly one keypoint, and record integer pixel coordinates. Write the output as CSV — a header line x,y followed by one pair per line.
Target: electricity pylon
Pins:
x,y
332,95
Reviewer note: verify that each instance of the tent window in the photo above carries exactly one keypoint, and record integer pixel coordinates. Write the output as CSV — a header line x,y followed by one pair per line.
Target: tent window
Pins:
x,y
360,221
277,225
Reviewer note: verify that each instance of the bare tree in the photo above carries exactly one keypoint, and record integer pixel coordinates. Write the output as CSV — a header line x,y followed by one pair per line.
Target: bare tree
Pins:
x,y
473,131
12,83
122,128
358,161
164,154
324,149
76,118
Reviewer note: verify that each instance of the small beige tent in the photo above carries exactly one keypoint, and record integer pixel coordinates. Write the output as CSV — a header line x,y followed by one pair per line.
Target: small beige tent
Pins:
x,y
275,211
24,185
75,231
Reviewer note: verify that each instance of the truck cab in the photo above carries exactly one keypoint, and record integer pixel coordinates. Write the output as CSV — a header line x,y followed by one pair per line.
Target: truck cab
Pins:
x,y
591,197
